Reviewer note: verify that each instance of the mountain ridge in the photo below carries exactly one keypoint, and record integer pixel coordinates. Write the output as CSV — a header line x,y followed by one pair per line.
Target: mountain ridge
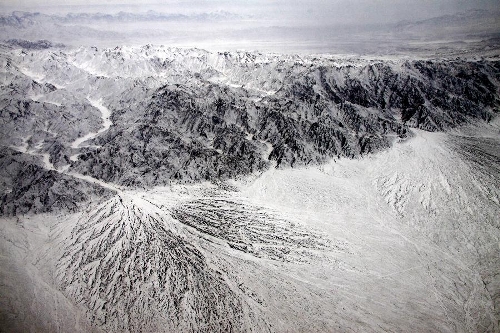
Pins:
x,y
193,115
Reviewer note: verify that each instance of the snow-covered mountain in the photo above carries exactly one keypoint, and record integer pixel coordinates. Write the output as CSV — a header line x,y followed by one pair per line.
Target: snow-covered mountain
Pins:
x,y
163,189
181,114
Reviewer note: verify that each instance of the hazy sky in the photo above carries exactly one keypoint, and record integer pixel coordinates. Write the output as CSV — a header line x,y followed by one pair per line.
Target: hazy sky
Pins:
x,y
324,11
321,26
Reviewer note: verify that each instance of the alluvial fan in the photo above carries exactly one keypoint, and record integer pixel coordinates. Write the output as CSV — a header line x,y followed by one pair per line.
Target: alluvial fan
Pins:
x,y
253,230
135,273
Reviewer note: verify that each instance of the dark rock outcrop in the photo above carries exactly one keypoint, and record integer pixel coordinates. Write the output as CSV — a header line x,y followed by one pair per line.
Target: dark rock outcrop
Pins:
x,y
316,110
29,188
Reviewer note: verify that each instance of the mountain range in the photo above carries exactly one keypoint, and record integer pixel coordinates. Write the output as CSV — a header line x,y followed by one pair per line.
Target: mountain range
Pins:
x,y
163,189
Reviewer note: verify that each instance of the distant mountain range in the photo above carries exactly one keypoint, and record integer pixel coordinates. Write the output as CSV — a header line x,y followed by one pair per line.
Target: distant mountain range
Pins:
x,y
25,19
471,22
223,30
33,45
458,18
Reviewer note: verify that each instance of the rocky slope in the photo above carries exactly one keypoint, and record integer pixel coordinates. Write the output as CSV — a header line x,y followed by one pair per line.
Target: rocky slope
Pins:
x,y
190,115
29,187
313,110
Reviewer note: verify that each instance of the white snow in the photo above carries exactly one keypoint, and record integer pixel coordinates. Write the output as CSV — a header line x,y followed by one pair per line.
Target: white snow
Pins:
x,y
106,124
90,179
